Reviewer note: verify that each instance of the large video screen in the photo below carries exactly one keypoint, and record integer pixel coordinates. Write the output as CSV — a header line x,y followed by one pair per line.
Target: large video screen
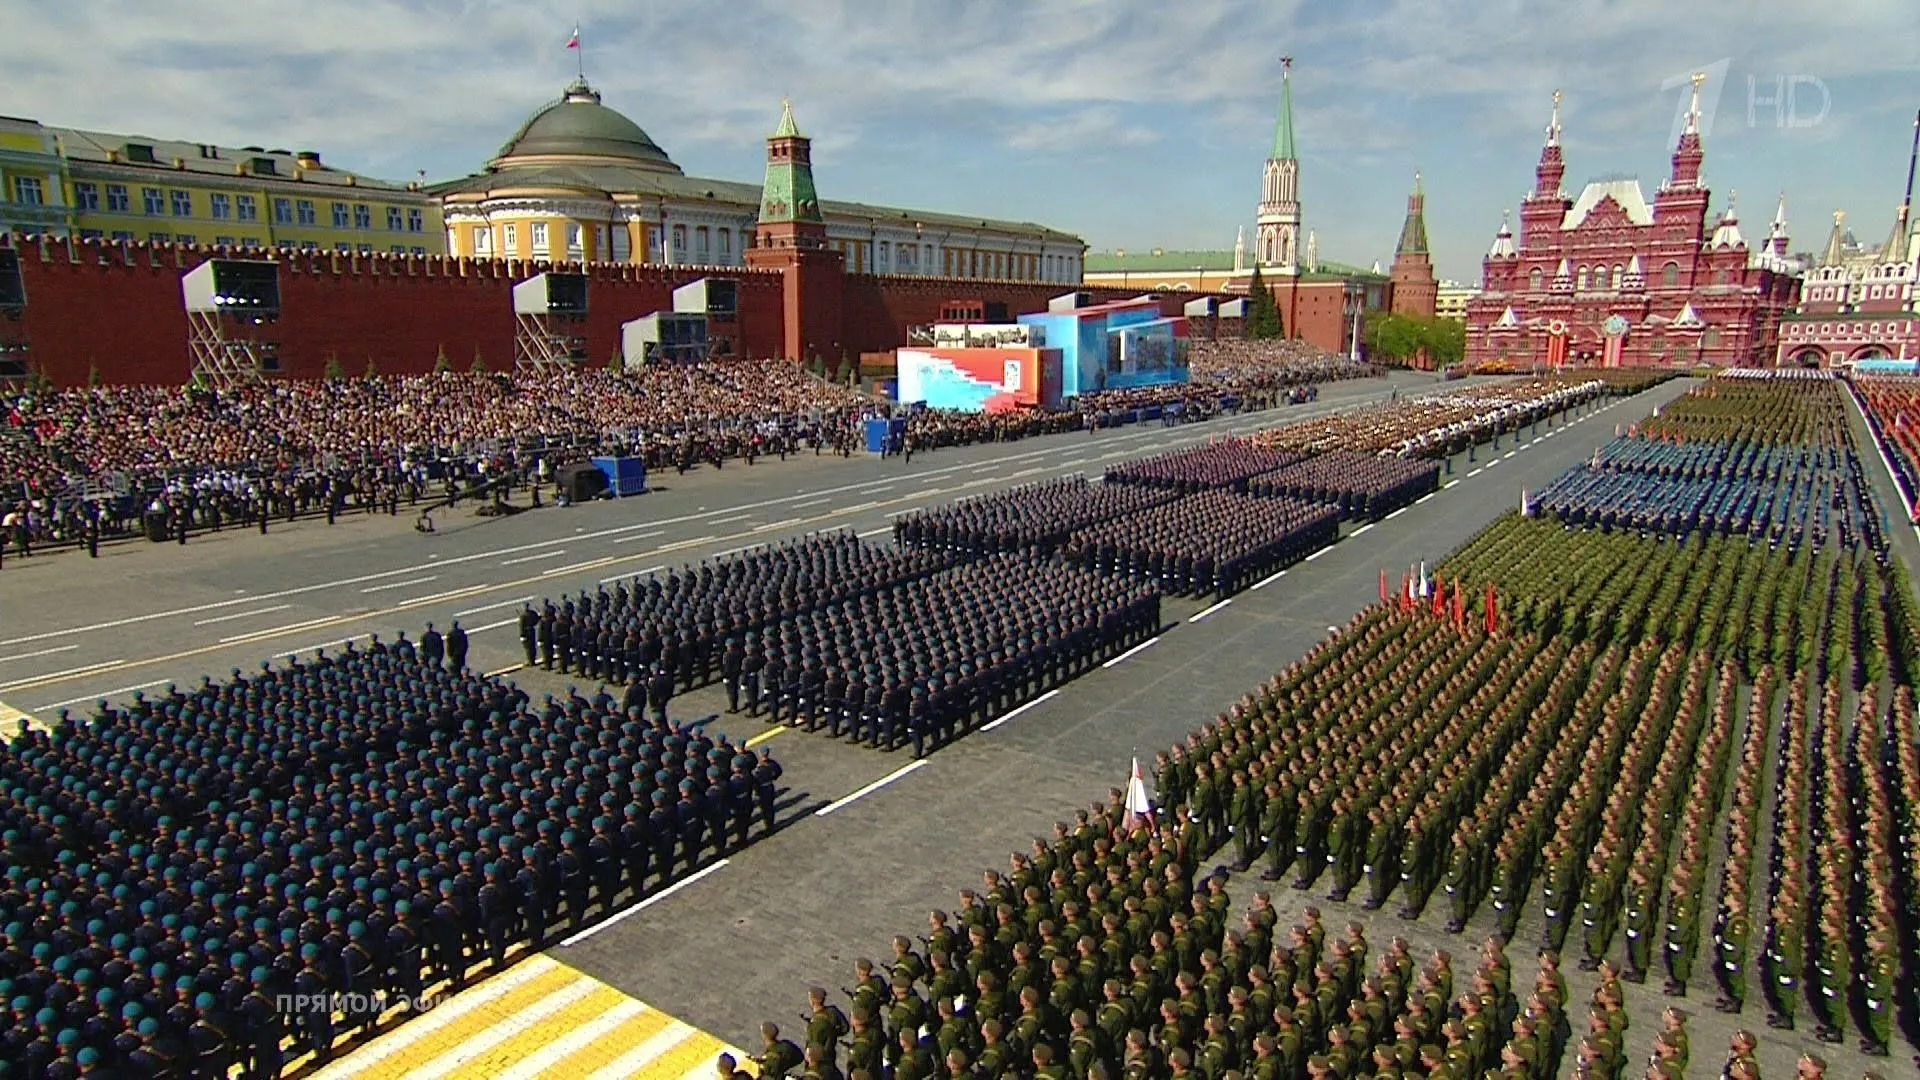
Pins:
x,y
1146,355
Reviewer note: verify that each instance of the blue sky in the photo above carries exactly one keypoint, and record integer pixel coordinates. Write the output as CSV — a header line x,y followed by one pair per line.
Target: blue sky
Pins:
x,y
1135,124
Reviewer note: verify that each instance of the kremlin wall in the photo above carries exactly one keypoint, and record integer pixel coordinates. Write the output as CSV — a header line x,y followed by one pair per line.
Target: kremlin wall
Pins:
x,y
117,308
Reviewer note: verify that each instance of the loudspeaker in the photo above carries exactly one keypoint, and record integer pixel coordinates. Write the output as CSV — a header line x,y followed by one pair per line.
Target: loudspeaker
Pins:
x,y
13,290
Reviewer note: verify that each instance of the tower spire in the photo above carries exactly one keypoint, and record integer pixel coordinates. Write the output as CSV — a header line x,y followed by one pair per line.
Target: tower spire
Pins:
x,y
1836,250
1413,232
1283,130
1693,107
1552,168
1687,156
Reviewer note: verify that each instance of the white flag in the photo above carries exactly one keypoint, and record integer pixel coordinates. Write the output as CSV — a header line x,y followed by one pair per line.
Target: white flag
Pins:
x,y
1139,804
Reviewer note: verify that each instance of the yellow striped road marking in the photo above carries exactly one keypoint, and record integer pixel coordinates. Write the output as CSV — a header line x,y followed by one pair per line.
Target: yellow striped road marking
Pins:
x,y
540,1019
10,718
611,1046
474,1050
446,1022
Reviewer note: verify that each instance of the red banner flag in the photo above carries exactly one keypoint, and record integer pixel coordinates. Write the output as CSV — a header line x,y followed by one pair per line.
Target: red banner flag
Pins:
x,y
1383,584
1439,597
1493,611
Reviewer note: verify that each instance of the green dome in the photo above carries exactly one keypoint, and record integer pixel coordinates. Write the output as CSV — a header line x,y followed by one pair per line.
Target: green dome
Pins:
x,y
578,125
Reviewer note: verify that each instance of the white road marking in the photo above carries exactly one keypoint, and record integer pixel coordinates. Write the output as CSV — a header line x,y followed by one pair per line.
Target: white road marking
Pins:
x,y
865,791
401,584
1397,513
645,904
779,524
1270,580
494,625
554,554
91,698
277,630
1316,554
230,618
493,607
1016,712
1211,610
1475,473
1363,528
323,645
1493,463
574,568
1125,655
450,594
729,520
874,532
639,536
70,648
812,502
631,574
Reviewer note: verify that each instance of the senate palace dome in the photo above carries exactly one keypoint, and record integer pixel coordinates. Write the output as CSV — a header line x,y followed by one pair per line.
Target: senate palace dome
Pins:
x,y
578,126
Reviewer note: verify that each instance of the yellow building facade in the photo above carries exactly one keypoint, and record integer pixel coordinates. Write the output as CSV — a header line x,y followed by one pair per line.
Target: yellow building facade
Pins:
x,y
32,192
579,182
116,187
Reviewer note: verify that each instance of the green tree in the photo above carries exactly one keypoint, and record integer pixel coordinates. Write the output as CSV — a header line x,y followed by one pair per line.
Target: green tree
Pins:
x,y
1263,313
441,363
373,369
1446,341
479,363
1392,339
93,375
334,372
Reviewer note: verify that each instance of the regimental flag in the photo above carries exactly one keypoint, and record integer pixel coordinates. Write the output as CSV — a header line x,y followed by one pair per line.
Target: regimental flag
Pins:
x,y
1439,598
1139,803
1426,586
574,41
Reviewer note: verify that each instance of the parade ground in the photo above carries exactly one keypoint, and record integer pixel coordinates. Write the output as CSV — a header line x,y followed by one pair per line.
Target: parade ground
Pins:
x,y
867,842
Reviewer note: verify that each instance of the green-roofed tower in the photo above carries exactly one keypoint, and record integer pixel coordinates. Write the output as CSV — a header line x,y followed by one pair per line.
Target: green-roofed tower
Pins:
x,y
1283,130
1277,240
1415,290
788,196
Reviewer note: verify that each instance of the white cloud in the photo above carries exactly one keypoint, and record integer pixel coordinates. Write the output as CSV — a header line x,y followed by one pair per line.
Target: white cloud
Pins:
x,y
1081,130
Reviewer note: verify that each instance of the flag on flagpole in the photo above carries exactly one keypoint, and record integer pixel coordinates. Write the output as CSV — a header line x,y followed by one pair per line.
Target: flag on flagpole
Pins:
x,y
1493,611
1426,587
574,41
1139,803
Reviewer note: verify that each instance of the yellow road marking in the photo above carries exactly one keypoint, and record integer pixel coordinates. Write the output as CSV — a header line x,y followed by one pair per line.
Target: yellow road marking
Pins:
x,y
413,1053
10,718
766,736
612,1046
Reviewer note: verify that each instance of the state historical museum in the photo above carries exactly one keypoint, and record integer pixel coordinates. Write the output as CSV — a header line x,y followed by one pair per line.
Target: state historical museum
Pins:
x,y
1611,279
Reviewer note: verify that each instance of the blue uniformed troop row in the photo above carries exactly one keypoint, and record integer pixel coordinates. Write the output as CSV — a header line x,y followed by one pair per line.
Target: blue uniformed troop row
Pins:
x,y
1363,487
1792,495
1034,518
680,623
1226,463
1215,543
203,879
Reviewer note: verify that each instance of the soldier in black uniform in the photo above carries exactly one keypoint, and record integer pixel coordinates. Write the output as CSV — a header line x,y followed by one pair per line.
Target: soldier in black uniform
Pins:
x,y
457,647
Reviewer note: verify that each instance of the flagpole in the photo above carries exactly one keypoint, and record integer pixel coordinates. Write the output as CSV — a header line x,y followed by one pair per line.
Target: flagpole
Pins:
x,y
579,53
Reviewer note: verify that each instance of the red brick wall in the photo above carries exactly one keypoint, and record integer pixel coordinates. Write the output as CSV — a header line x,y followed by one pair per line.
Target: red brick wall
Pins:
x,y
1317,314
120,308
